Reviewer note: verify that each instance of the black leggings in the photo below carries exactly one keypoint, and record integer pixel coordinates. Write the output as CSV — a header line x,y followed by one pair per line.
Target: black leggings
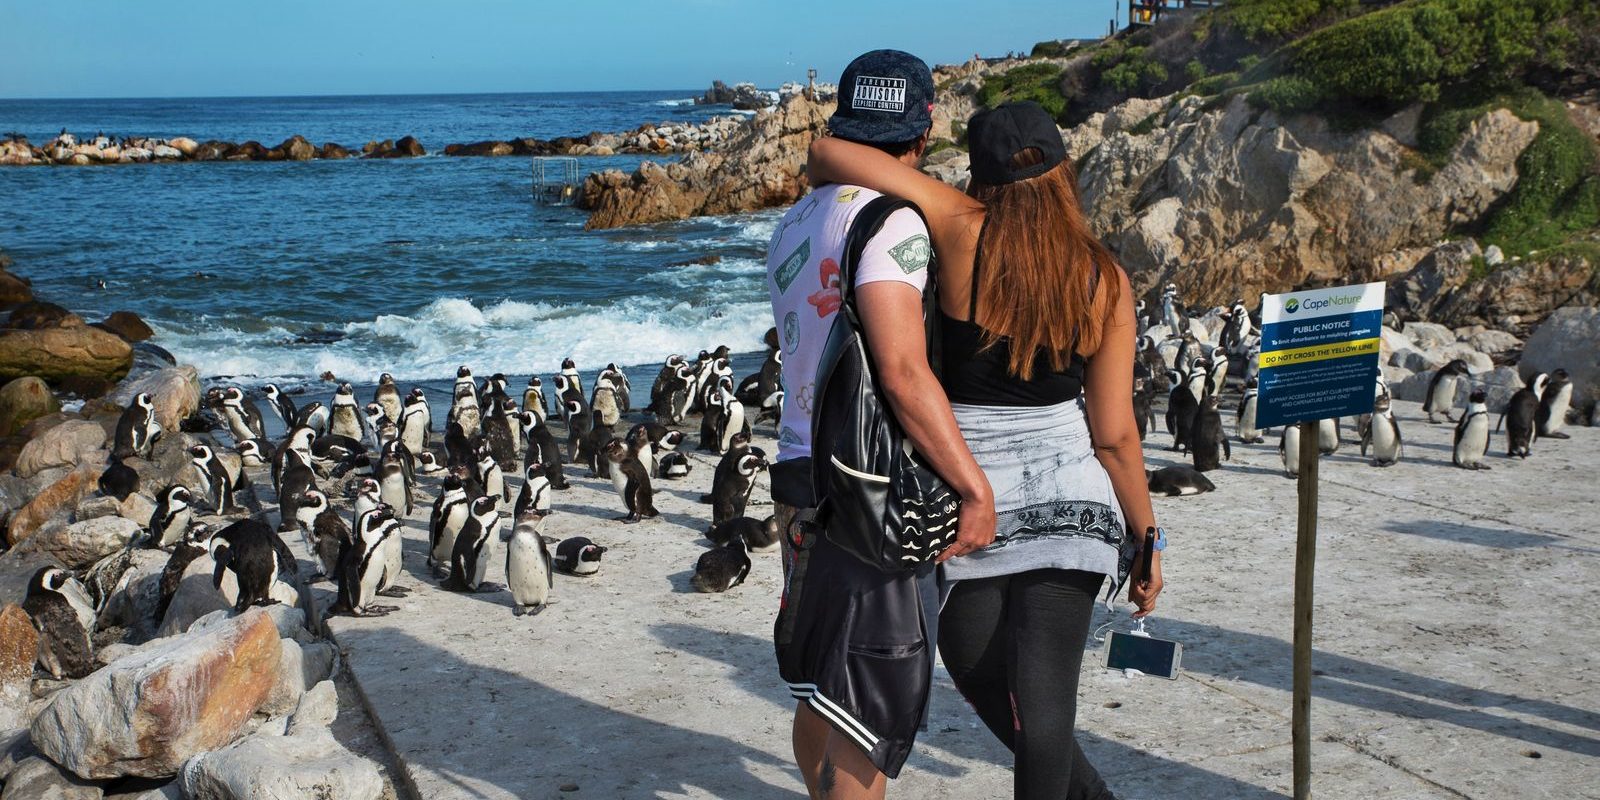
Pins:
x,y
1014,645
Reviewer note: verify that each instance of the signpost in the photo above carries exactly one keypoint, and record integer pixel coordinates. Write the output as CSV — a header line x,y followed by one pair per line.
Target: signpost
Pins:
x,y
1319,360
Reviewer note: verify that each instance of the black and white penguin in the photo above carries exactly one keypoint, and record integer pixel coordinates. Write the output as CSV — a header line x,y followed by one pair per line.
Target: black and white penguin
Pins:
x,y
1171,311
396,452
242,415
1177,480
534,497
1554,403
639,441
172,516
731,418
1442,390
591,449
673,466
428,464
710,412
1209,442
325,532
297,479
1329,436
631,481
570,400
215,483
1183,405
667,381
345,417
569,370
759,536
469,560
1237,328
387,396
280,403
619,385
119,480
189,546
137,429
735,479
450,511
721,568
1472,433
578,556
363,567
491,476
256,557
1245,416
530,575
373,419
1383,434
416,418
394,489
1218,371
1289,447
464,384
1521,417
1144,395
255,452
604,401
542,448
65,647
459,449
580,423
499,436
315,416
533,400
297,448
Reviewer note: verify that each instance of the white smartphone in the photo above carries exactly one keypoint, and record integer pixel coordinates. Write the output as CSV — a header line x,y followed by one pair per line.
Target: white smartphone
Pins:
x,y
1160,658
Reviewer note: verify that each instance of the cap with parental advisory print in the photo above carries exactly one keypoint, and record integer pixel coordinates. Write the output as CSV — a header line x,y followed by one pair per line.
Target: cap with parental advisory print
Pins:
x,y
885,96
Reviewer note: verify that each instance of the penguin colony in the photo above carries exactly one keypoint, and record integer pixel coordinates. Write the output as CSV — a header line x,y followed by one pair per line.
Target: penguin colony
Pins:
x,y
1201,378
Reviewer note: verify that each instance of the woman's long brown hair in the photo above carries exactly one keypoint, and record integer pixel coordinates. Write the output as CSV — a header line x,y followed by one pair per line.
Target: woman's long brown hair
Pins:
x,y
1037,268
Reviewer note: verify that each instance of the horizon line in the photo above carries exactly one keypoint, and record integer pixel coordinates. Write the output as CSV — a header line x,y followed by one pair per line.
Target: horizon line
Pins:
x,y
692,93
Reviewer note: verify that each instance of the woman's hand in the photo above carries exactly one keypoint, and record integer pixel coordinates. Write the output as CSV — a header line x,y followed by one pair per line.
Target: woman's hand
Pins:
x,y
975,524
1142,590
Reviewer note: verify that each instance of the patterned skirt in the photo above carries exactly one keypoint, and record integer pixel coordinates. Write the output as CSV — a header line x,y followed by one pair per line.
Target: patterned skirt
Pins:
x,y
1055,503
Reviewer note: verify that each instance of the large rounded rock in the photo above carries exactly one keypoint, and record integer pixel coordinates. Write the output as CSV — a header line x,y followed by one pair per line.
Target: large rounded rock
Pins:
x,y
128,325
296,148
174,390
1569,339
149,712
334,151
64,445
81,544
19,645
24,400
409,147
36,778
37,314
137,595
14,289
54,501
61,353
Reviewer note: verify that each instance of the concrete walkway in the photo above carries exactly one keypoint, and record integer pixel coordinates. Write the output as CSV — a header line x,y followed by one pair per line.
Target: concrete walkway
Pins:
x,y
1453,638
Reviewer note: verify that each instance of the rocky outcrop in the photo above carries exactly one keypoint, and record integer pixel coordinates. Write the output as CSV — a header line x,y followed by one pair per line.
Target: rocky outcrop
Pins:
x,y
61,353
761,166
23,401
149,712
743,96
54,501
36,778
83,543
14,289
63,445
19,645
175,391
128,325
1569,340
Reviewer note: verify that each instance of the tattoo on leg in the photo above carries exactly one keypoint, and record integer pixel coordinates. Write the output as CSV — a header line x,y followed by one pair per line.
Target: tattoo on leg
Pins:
x,y
827,779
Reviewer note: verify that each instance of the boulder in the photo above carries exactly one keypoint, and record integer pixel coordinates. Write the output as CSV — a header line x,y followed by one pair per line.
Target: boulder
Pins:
x,y
1492,342
166,791
133,602
55,501
37,315
490,148
148,713
302,667
1530,288
296,148
24,400
174,390
19,645
1416,360
334,151
81,544
138,507
1430,335
97,507
60,353
14,289
1424,288
64,445
36,778
1569,340
195,598
409,147
15,748
184,145
128,325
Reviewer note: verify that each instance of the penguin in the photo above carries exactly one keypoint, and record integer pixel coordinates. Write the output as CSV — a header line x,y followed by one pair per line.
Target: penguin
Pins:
x,y
1183,404
362,567
619,385
258,560
298,478
543,449
530,575
459,449
1521,417
387,396
661,391
242,415
721,568
1143,399
519,437
673,466
569,370
1170,310
642,445
396,452
533,399
450,511
1289,447
65,648
325,532
119,480
1237,328
490,475
731,419
534,498
296,448
711,410
428,464
192,544
341,455
1245,417
394,489
255,452
759,536
415,420
1218,371
734,480
1176,481
662,438
464,384
1150,356
498,435
604,402
579,425
280,403
172,516
578,556
591,450
1328,436
1554,403
631,481
364,496
570,400
137,429
1442,390
469,560
1472,433
345,419
372,415
315,416
1208,436
215,483
1383,434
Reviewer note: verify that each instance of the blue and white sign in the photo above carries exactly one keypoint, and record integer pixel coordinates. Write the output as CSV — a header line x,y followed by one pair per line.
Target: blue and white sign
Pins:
x,y
1319,353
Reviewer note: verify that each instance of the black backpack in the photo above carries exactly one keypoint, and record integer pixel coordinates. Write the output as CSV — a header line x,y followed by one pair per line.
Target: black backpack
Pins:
x,y
875,498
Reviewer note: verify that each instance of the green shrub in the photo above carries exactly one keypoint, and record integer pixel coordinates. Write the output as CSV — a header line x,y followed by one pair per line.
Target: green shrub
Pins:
x,y
1194,70
1040,83
1249,62
1286,94
1281,19
1213,84
1134,74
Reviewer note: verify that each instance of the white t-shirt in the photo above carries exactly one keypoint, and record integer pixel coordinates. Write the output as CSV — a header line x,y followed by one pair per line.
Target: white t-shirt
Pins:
x,y
803,278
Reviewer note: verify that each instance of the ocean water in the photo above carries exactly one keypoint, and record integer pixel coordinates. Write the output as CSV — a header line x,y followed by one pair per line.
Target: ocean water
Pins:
x,y
283,271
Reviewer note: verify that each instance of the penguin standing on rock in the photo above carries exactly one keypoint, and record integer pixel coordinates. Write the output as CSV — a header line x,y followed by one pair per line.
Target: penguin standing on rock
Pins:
x,y
257,558
530,575
242,415
578,556
189,546
721,568
65,647
137,429
1472,433
170,522
215,482
281,404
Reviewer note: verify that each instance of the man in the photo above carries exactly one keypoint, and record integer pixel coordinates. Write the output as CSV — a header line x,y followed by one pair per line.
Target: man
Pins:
x,y
855,644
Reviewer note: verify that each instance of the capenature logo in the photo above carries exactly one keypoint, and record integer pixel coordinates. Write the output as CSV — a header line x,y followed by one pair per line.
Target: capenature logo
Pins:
x,y
1291,305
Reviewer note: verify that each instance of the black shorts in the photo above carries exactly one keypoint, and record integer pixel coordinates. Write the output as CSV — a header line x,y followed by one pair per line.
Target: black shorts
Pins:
x,y
856,644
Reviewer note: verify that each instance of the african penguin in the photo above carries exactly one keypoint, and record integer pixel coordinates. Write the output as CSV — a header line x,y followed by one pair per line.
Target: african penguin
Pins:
x,y
469,560
137,429
119,480
534,497
189,546
1177,480
1472,433
170,521
1328,436
1521,417
734,479
542,448
721,568
387,396
242,415
1383,435
631,481
1209,443
325,532
215,482
450,511
280,403
759,536
362,566
1289,445
490,475
345,419
257,558
604,402
65,647
533,399
415,420
315,416
1245,417
1553,406
1442,390
578,556
529,573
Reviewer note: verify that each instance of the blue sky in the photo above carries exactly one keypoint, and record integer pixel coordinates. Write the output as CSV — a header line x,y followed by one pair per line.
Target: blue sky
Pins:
x,y
296,47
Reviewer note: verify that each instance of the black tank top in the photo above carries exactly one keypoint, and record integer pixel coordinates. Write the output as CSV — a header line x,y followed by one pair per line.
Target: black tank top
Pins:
x,y
974,376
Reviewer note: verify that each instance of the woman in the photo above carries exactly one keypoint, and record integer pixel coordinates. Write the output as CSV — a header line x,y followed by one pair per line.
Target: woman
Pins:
x,y
1036,313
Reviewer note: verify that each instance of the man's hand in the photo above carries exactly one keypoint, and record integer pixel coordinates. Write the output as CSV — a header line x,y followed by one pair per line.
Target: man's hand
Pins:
x,y
974,528
1142,590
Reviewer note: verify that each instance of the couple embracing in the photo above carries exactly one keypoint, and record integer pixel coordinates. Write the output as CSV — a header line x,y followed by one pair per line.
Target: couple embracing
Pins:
x,y
1029,421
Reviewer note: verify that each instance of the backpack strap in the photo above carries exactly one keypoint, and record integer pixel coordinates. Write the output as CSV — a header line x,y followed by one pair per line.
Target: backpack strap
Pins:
x,y
867,223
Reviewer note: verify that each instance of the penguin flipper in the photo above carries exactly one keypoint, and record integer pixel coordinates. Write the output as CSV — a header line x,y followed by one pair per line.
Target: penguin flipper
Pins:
x,y
223,556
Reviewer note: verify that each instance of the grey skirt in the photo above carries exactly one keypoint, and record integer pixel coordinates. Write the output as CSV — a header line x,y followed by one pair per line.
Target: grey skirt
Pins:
x,y
1056,507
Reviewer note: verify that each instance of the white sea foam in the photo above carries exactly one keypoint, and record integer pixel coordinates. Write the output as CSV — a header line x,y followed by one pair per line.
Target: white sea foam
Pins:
x,y
685,101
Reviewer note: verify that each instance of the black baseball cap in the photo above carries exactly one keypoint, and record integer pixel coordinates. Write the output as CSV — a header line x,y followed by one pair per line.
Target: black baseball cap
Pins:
x,y
885,97
995,135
